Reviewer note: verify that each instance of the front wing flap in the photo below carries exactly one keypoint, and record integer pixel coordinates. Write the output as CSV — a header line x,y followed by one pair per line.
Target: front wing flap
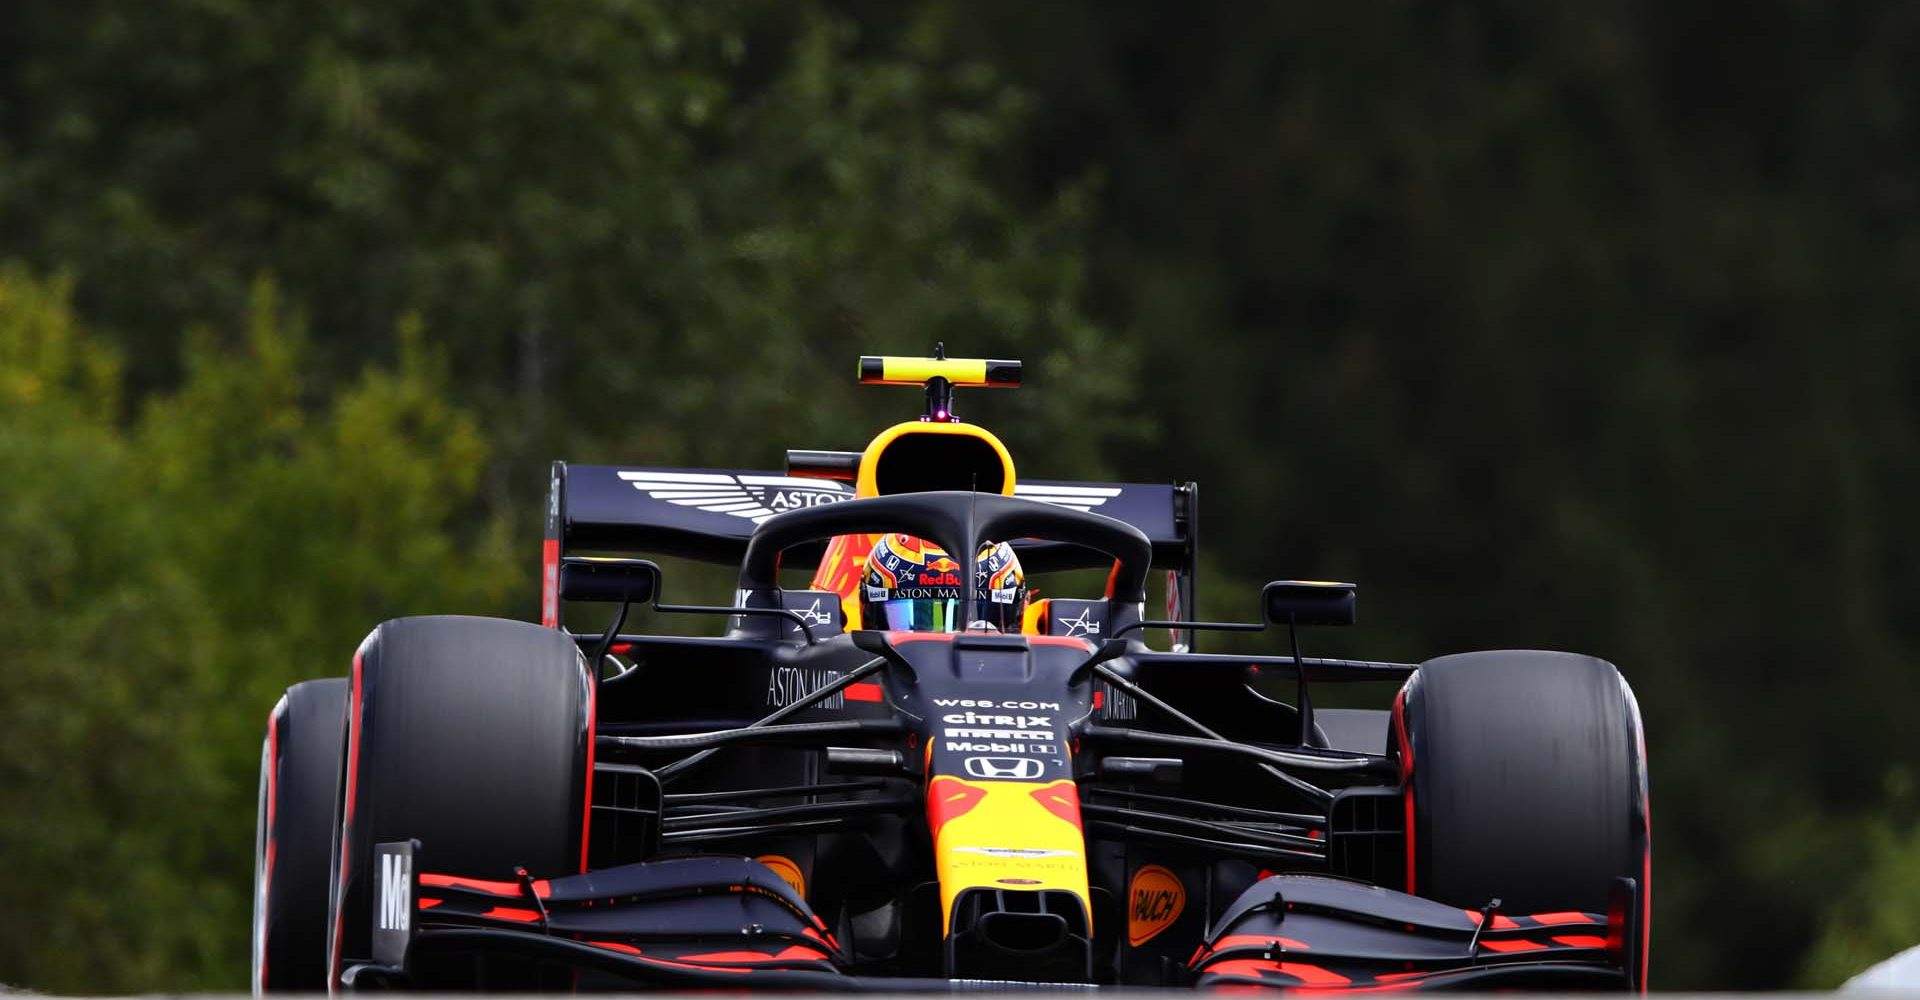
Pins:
x,y
1295,931
679,920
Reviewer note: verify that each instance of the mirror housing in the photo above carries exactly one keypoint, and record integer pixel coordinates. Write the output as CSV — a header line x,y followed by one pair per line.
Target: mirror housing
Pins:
x,y
1310,602
596,578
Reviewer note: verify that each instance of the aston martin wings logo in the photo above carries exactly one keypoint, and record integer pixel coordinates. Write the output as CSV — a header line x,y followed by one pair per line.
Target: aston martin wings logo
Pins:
x,y
1076,497
758,497
744,495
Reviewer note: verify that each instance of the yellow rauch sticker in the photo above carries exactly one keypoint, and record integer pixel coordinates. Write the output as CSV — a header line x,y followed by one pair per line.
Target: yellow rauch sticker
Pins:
x,y
1154,901
789,872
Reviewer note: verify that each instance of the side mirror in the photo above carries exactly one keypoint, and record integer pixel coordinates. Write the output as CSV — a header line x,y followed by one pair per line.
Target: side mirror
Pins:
x,y
1310,602
593,578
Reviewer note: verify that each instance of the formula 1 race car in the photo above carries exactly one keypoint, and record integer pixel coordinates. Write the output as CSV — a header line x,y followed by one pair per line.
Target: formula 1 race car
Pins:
x,y
818,800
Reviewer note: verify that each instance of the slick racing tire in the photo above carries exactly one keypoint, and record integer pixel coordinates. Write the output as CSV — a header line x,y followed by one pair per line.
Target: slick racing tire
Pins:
x,y
293,842
1526,778
474,737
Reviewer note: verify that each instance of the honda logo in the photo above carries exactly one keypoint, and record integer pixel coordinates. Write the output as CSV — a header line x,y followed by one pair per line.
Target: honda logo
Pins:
x,y
1005,768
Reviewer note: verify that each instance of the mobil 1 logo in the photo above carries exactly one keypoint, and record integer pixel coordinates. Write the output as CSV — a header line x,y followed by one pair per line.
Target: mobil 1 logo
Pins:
x,y
395,883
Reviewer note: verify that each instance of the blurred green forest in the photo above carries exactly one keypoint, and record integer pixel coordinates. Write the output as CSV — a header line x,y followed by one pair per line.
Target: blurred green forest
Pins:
x,y
1567,326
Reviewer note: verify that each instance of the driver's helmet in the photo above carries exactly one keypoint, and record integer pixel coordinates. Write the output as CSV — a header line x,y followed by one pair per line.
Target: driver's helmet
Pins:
x,y
912,585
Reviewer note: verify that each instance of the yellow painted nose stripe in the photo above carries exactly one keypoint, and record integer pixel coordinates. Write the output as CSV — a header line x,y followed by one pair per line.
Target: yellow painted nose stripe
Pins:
x,y
1021,835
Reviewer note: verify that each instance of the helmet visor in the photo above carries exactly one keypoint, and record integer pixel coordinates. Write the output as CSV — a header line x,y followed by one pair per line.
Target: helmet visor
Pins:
x,y
920,614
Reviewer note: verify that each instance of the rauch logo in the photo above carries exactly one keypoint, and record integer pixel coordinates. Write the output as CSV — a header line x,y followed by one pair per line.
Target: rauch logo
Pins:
x,y
1155,899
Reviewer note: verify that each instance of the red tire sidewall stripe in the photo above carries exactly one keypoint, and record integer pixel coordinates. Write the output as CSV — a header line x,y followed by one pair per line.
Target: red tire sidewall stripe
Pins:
x,y
586,808
1642,777
1646,855
346,825
1406,776
266,864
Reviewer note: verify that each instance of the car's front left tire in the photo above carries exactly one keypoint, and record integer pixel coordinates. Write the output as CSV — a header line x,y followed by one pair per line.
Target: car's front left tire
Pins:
x,y
1526,781
472,736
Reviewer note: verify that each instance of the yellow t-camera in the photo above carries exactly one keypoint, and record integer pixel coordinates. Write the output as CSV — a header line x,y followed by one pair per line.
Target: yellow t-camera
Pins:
x,y
957,371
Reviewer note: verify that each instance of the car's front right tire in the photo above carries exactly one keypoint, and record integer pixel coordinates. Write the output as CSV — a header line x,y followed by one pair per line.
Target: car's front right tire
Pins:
x,y
293,840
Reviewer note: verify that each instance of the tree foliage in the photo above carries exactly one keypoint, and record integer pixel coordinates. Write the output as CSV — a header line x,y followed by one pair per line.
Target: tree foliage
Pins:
x,y
168,576
1571,326
1871,916
687,215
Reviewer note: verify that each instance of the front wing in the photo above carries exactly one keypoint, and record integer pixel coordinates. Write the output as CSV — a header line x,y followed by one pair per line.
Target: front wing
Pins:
x,y
702,922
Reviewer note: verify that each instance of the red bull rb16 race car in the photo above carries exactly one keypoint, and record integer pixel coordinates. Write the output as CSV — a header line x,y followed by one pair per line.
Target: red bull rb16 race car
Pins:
x,y
896,765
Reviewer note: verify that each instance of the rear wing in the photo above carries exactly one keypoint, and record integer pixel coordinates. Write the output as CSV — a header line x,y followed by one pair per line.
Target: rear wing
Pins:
x,y
708,514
